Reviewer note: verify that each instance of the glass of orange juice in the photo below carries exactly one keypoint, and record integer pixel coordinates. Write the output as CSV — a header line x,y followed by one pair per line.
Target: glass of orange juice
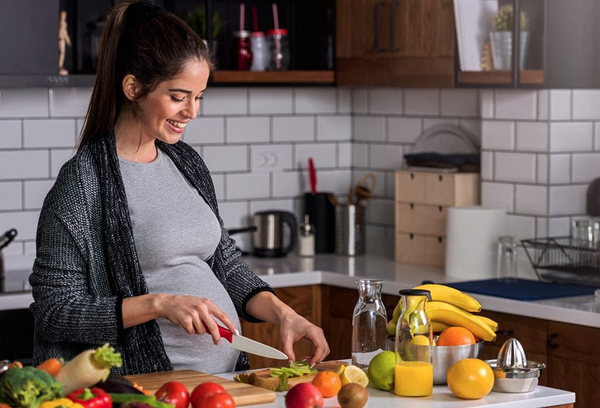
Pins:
x,y
413,375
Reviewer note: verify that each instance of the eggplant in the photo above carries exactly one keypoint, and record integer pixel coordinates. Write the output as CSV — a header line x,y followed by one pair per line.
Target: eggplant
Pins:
x,y
116,384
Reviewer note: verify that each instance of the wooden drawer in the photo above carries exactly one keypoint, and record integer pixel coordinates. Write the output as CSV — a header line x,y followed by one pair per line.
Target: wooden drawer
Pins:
x,y
437,188
421,219
420,249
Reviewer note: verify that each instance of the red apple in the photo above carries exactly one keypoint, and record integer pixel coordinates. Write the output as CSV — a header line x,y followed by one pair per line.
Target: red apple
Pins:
x,y
304,395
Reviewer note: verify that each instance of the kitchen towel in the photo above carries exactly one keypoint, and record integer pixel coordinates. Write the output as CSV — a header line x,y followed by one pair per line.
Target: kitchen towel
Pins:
x,y
472,241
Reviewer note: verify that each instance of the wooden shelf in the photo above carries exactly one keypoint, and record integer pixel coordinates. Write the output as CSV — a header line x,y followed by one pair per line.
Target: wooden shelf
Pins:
x,y
274,77
531,77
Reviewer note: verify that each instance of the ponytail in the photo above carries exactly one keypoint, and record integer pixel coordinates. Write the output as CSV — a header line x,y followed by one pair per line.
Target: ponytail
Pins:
x,y
142,39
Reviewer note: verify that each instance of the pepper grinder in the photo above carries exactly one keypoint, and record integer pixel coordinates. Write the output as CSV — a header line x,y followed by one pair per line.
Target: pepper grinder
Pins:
x,y
306,239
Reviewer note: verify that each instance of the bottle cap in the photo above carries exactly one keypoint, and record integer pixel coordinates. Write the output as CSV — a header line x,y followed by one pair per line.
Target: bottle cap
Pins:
x,y
255,34
306,228
240,34
415,292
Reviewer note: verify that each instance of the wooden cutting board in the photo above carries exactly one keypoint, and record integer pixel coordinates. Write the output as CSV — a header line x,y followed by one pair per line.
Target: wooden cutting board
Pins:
x,y
243,394
264,379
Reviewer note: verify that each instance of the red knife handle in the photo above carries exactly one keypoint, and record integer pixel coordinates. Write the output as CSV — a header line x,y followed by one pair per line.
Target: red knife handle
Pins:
x,y
312,175
223,332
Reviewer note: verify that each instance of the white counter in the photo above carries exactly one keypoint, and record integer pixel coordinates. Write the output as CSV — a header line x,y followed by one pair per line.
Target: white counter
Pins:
x,y
343,271
443,398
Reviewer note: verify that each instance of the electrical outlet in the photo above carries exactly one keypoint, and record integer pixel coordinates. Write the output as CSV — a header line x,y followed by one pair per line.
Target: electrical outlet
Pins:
x,y
266,158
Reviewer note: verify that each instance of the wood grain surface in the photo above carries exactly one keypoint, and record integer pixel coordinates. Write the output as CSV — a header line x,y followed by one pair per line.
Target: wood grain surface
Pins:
x,y
243,394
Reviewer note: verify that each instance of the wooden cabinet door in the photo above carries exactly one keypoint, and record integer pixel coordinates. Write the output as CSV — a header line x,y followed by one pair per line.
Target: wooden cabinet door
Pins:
x,y
574,361
395,43
306,301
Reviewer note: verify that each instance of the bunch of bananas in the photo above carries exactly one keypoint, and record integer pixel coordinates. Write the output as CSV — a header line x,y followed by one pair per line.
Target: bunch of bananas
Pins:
x,y
451,307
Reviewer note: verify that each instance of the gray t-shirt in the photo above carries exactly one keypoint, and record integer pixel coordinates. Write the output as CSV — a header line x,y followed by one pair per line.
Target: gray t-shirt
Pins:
x,y
175,231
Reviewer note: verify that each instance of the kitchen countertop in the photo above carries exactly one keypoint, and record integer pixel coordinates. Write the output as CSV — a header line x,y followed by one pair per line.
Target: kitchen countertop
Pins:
x,y
343,271
443,398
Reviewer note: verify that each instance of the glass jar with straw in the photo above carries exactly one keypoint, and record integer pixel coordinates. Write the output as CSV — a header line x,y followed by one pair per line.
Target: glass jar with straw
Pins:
x,y
279,45
241,52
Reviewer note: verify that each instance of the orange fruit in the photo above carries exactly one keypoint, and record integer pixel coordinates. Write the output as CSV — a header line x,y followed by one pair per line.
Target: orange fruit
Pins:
x,y
470,378
455,336
328,383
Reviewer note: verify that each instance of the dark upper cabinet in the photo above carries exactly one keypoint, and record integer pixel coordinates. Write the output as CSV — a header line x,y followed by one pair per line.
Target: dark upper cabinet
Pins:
x,y
395,43
29,41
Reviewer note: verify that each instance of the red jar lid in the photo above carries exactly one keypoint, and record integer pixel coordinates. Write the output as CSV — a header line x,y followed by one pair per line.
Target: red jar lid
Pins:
x,y
257,34
280,31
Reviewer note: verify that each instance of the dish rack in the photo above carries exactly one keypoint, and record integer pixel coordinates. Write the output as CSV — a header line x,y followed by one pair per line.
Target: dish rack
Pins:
x,y
564,259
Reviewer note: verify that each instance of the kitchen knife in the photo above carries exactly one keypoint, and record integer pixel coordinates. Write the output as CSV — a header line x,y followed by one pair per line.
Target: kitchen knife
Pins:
x,y
242,343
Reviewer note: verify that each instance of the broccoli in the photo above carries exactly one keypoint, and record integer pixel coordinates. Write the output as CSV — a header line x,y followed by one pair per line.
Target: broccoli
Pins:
x,y
28,387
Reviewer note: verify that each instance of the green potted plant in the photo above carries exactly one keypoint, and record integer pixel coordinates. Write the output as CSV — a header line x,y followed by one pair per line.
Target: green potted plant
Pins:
x,y
501,37
196,19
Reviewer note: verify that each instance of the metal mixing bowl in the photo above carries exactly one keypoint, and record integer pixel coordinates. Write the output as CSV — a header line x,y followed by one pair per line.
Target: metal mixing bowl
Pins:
x,y
516,380
445,356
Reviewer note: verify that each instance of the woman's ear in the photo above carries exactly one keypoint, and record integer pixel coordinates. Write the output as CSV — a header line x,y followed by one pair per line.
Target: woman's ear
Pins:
x,y
129,87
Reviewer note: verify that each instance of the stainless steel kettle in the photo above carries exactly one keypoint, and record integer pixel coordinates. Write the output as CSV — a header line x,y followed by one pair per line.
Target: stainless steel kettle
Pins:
x,y
269,236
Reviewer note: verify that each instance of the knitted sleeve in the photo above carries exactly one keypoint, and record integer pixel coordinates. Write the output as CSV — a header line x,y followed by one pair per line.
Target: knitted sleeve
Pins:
x,y
66,307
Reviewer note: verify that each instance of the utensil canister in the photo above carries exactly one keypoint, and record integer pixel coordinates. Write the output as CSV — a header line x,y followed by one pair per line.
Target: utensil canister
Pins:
x,y
350,229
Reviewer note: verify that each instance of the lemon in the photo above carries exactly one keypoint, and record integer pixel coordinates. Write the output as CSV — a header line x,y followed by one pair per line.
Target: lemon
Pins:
x,y
354,374
381,370
420,340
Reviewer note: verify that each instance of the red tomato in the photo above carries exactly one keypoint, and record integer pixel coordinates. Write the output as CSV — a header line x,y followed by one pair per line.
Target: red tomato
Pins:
x,y
304,395
174,392
205,390
221,400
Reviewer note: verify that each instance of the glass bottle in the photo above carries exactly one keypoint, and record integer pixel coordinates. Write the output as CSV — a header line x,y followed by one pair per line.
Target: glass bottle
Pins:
x,y
413,376
280,49
306,239
369,323
241,52
260,51
506,269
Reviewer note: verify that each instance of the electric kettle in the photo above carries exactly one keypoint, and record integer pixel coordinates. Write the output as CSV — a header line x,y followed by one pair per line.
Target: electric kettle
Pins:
x,y
269,236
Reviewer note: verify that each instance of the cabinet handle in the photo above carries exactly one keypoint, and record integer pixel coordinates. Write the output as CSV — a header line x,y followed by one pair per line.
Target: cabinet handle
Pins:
x,y
412,206
441,178
505,332
393,26
441,209
551,338
377,25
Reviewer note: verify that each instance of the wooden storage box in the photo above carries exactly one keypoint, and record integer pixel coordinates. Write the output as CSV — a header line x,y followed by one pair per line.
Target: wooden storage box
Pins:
x,y
422,202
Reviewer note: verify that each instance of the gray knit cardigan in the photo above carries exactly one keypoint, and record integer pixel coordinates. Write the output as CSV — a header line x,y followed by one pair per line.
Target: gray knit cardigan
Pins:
x,y
86,261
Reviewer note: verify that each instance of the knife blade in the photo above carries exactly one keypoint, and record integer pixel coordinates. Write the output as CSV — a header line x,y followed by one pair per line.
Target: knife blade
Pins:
x,y
242,343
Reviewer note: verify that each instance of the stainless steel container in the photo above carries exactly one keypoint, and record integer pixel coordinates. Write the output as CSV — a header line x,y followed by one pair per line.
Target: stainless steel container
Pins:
x,y
350,229
516,380
445,356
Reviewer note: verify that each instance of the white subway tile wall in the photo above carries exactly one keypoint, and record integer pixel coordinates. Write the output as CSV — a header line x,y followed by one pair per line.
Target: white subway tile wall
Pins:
x,y
553,159
538,149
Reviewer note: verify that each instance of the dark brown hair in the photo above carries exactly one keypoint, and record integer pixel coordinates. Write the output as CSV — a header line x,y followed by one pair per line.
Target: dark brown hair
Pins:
x,y
142,39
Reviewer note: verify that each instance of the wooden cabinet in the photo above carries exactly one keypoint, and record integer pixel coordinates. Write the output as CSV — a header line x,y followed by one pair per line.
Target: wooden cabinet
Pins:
x,y
406,43
422,200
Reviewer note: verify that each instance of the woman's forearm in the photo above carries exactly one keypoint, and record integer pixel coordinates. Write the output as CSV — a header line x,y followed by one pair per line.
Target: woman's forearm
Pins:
x,y
266,306
141,309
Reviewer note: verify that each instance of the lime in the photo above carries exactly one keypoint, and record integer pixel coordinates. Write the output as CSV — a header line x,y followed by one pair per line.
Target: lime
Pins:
x,y
354,374
381,370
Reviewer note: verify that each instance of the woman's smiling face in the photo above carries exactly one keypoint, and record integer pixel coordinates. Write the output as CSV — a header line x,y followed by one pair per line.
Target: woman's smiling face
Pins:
x,y
166,110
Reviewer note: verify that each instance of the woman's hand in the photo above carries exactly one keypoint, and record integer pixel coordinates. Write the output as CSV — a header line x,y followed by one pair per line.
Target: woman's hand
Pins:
x,y
294,328
194,314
